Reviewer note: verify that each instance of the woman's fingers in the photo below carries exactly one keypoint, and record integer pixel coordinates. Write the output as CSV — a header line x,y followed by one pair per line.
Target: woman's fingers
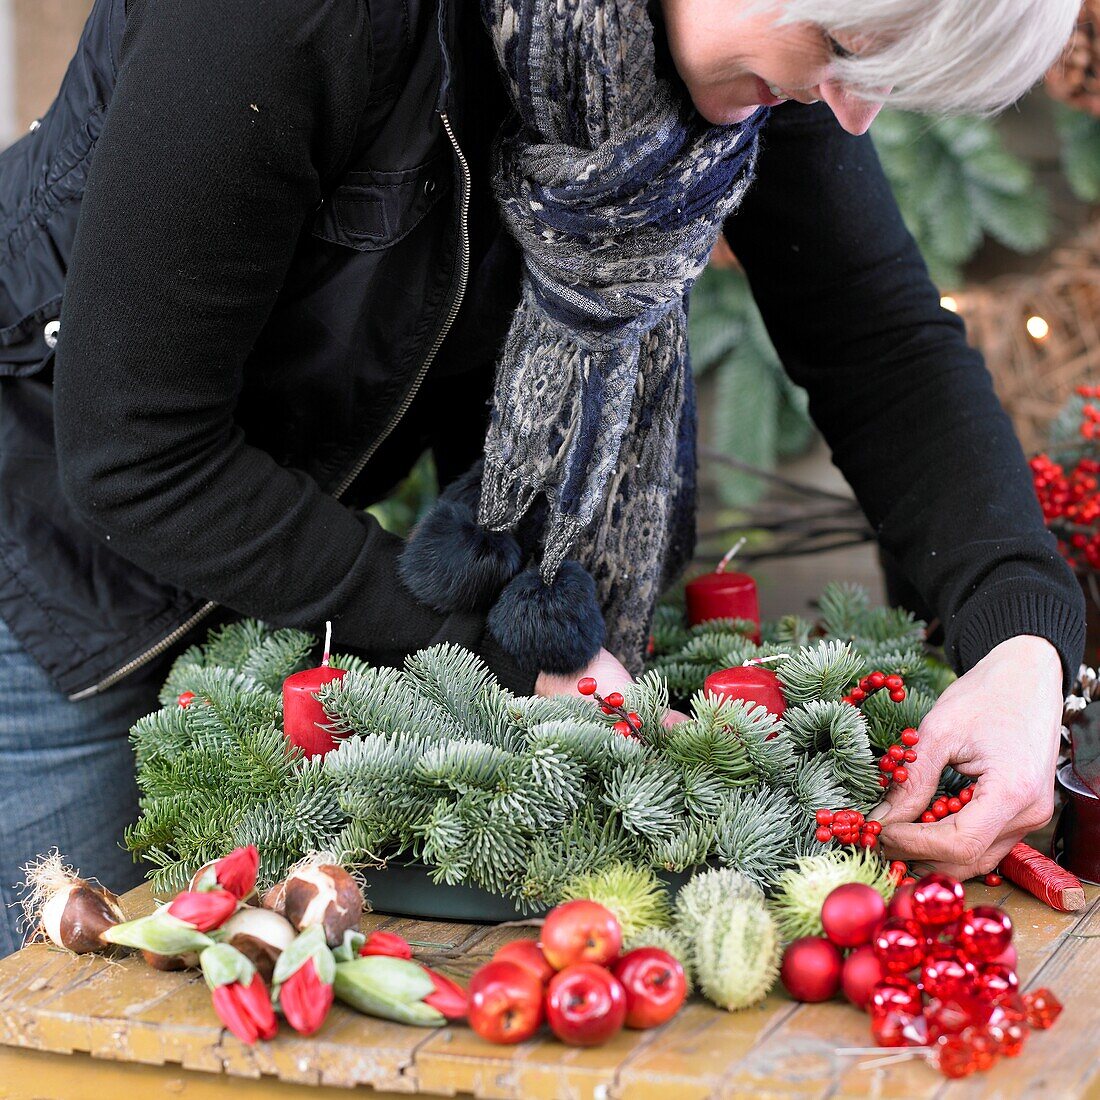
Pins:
x,y
906,801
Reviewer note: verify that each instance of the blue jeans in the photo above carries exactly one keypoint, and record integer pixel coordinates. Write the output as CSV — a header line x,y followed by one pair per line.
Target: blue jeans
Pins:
x,y
66,777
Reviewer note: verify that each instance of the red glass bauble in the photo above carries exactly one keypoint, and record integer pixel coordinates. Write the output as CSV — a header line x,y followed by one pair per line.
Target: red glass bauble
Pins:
x,y
938,900
1007,957
984,932
894,995
851,913
994,979
1043,1008
811,969
950,1015
899,945
899,1029
901,904
950,976
753,683
1009,1037
955,1056
862,972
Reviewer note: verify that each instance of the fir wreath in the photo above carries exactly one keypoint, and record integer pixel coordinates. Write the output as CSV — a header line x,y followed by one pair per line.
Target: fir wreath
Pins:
x,y
439,764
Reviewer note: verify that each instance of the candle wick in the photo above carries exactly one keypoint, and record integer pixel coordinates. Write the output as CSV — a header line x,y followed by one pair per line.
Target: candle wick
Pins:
x,y
328,644
730,554
761,660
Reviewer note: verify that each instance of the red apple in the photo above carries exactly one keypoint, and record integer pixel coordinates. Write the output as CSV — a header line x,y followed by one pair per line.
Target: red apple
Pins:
x,y
526,953
505,1003
580,931
654,983
861,973
585,1005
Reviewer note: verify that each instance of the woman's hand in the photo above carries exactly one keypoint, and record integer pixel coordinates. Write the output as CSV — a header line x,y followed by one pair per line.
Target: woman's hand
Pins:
x,y
1000,723
608,672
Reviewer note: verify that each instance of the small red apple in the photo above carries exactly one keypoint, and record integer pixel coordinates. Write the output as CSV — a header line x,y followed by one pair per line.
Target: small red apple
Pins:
x,y
580,931
526,953
505,1003
654,983
585,1005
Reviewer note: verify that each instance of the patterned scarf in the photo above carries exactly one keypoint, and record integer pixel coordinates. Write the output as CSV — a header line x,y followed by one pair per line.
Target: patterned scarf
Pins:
x,y
616,190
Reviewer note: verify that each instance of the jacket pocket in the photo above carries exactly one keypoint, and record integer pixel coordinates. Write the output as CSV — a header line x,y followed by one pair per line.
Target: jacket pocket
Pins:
x,y
27,345
370,211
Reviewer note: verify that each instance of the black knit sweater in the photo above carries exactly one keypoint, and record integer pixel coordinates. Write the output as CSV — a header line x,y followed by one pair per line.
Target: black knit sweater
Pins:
x,y
906,406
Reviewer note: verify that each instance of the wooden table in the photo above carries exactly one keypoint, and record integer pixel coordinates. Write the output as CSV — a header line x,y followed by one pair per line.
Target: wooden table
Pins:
x,y
90,1027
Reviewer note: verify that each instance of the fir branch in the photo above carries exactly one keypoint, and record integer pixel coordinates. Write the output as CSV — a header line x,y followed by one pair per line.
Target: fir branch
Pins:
x,y
886,719
790,632
646,797
753,833
821,671
689,846
842,607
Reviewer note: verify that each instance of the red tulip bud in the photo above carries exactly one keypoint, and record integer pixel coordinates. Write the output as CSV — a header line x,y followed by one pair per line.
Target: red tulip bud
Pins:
x,y
305,999
387,943
235,872
203,910
449,997
246,1010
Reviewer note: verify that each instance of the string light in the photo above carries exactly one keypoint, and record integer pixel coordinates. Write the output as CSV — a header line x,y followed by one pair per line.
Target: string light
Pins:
x,y
1037,327
947,302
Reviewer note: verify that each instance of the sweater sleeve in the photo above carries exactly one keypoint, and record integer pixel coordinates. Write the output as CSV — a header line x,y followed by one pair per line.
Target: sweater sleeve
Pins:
x,y
226,118
906,406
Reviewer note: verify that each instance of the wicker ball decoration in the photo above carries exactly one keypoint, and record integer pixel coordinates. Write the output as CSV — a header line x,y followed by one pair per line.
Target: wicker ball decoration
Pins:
x,y
1075,77
1040,334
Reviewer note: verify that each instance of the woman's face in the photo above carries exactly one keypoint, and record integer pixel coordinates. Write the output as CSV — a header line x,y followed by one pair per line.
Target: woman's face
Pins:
x,y
734,62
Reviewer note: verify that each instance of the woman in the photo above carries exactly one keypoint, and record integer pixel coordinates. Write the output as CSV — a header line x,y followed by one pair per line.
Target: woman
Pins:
x,y
296,262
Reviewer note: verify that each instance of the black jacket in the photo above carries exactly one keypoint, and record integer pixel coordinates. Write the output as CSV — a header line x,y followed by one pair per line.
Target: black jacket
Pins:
x,y
283,278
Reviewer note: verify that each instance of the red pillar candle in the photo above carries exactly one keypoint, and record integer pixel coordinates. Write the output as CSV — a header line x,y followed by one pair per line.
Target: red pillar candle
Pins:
x,y
753,683
303,716
722,595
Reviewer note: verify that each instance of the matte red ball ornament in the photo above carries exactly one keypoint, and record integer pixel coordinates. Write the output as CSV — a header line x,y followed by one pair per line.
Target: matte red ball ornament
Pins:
x,y
861,973
811,969
899,945
938,899
901,904
851,913
753,683
984,932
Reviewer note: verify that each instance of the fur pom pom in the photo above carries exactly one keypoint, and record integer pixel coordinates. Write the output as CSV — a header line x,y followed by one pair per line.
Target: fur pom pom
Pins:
x,y
452,564
550,628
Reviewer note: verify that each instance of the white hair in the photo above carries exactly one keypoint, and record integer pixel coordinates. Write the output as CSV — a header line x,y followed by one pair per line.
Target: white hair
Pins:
x,y
943,56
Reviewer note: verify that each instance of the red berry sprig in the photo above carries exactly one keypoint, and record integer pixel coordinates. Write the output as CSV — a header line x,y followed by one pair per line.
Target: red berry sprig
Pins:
x,y
893,762
877,681
847,827
185,699
944,806
629,723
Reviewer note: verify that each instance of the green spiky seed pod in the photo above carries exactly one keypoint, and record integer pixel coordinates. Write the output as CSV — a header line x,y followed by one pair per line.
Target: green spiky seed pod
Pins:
x,y
634,894
802,889
667,939
736,954
708,892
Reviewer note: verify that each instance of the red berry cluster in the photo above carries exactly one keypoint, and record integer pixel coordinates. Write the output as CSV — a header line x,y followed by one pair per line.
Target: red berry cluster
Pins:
x,y
629,723
932,974
944,806
847,827
892,762
877,681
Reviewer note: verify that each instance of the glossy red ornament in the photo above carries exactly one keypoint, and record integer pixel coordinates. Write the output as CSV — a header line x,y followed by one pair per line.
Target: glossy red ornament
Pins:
x,y
1043,1008
961,1055
1009,1036
811,969
949,976
722,595
1008,957
938,900
851,913
995,979
899,1029
899,945
984,932
901,904
753,683
894,994
950,1015
860,974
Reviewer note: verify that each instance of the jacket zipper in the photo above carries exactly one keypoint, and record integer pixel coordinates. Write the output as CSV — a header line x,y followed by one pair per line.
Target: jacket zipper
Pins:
x,y
456,304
